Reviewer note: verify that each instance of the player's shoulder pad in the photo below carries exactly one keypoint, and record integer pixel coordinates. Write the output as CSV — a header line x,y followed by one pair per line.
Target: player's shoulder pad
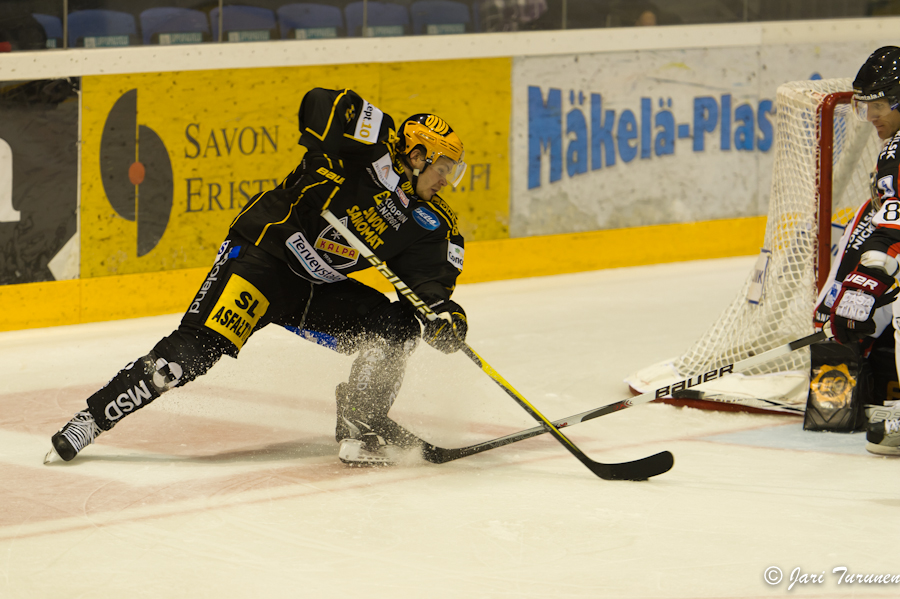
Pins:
x,y
445,212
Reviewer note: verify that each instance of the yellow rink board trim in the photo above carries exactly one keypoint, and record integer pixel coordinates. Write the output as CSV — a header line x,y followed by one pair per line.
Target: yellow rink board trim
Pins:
x,y
55,303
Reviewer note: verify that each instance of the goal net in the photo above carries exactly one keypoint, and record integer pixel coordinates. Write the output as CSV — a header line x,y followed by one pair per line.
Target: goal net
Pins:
x,y
823,156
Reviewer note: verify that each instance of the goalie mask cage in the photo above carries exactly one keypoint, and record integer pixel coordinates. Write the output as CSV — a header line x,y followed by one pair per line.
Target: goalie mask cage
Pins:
x,y
823,156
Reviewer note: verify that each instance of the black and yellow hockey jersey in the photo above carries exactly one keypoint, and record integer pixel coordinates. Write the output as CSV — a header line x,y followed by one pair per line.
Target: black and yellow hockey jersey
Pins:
x,y
352,167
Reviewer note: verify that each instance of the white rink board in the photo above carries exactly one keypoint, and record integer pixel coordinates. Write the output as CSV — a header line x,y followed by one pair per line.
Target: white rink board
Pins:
x,y
626,139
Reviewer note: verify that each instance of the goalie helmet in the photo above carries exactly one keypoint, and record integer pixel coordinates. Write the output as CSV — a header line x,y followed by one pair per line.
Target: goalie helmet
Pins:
x,y
878,79
435,138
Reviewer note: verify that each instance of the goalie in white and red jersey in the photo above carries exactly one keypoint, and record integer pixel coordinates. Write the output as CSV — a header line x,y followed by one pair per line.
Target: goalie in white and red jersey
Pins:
x,y
859,301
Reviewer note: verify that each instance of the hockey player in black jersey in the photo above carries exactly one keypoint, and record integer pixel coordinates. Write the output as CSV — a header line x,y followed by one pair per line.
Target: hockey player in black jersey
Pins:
x,y
859,300
283,263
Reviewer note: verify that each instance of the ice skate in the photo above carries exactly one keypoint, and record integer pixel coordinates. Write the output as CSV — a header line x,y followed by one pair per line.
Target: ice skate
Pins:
x,y
883,429
371,450
363,445
367,439
77,434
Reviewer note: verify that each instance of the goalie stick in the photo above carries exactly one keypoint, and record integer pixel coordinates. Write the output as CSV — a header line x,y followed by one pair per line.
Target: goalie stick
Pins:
x,y
440,455
745,403
637,470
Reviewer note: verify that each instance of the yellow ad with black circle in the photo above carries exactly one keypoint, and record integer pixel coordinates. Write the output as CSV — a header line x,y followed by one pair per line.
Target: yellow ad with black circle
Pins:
x,y
169,159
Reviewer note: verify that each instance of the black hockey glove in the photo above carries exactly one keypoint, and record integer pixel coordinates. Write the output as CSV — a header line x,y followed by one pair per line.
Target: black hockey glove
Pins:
x,y
447,333
862,291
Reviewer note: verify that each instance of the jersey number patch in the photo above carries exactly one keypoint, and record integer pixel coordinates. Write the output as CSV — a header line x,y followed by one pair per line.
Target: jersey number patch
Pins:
x,y
889,215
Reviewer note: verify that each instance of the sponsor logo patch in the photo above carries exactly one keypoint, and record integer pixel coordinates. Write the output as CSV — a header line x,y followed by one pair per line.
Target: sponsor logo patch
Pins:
x,y
455,255
368,124
368,224
403,199
222,249
311,261
213,276
333,244
384,170
832,386
128,401
329,175
832,294
390,213
426,218
239,308
338,249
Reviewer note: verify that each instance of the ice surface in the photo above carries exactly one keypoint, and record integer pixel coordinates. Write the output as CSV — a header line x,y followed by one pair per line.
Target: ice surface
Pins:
x,y
231,487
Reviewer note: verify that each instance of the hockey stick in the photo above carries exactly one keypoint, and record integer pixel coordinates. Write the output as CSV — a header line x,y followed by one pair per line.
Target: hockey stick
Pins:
x,y
745,404
440,455
637,470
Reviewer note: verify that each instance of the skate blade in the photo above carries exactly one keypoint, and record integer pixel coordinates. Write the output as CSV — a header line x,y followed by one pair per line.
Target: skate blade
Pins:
x,y
354,454
882,449
52,457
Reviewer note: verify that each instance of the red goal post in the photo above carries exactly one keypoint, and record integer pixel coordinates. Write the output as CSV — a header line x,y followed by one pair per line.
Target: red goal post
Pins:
x,y
820,175
824,179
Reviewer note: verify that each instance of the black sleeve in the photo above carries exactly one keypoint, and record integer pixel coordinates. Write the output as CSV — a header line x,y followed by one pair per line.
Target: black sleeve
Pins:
x,y
427,269
431,265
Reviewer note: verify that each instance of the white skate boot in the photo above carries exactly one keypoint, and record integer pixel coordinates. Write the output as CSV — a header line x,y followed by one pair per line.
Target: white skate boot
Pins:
x,y
77,434
883,429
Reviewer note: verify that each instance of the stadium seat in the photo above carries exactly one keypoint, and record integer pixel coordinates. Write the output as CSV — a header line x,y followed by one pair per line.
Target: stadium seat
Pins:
x,y
310,21
97,28
174,26
244,23
440,16
383,19
52,27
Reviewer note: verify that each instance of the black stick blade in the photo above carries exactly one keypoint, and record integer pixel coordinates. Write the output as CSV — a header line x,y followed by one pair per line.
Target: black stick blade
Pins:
x,y
642,469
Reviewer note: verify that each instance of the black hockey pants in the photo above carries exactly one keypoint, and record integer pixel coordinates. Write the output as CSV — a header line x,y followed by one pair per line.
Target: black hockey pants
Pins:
x,y
245,290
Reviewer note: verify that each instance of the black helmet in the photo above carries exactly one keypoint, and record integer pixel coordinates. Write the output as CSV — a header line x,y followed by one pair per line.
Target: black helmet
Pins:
x,y
879,77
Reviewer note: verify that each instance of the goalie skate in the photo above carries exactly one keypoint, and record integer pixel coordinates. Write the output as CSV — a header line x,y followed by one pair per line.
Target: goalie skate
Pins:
x,y
883,429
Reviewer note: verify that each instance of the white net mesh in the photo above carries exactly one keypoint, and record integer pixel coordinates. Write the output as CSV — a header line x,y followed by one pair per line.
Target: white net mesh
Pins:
x,y
784,311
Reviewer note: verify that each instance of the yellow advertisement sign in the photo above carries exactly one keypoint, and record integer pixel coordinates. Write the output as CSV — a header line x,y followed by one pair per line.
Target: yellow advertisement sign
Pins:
x,y
168,159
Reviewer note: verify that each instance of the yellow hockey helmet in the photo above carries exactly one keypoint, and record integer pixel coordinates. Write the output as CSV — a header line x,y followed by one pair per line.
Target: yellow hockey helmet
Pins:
x,y
436,139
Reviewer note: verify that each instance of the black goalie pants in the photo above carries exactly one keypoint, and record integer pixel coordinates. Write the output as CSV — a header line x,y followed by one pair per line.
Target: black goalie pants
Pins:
x,y
247,289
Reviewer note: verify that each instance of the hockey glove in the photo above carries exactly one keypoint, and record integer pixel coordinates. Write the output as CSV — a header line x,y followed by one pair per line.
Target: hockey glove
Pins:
x,y
862,291
446,333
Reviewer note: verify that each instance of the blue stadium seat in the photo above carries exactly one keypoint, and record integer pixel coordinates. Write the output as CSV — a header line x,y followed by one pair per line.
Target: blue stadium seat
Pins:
x,y
383,19
440,16
52,27
244,23
309,21
174,26
97,28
